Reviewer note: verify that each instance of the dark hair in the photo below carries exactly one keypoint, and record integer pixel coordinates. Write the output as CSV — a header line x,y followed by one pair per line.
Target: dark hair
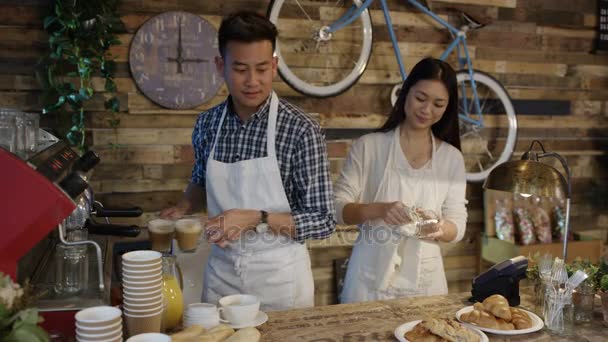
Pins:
x,y
446,128
245,27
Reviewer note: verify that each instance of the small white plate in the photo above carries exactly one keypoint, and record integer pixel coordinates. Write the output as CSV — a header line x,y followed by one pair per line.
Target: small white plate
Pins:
x,y
405,327
537,323
260,319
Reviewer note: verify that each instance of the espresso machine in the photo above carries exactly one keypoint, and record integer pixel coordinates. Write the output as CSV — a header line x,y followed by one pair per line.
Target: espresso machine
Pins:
x,y
49,234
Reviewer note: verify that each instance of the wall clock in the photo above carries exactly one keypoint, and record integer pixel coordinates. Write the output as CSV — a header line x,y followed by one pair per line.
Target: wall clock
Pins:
x,y
172,60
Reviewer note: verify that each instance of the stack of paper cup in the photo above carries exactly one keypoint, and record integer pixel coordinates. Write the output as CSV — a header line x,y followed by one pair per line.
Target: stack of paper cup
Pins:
x,y
99,323
203,314
142,291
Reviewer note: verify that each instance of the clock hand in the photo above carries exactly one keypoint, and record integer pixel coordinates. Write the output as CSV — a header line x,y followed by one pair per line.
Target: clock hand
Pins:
x,y
179,47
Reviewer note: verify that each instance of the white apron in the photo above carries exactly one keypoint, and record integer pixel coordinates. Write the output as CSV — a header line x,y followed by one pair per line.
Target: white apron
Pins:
x,y
273,267
384,265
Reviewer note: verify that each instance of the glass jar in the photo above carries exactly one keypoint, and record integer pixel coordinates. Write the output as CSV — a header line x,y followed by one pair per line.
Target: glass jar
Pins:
x,y
559,312
583,298
604,297
8,130
172,292
72,269
540,290
423,222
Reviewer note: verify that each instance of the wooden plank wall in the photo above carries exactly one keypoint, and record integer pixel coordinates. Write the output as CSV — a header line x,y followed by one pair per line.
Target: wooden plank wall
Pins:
x,y
539,49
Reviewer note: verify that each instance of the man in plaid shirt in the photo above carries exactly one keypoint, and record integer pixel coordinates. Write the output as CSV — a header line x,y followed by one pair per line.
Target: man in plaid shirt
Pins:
x,y
263,165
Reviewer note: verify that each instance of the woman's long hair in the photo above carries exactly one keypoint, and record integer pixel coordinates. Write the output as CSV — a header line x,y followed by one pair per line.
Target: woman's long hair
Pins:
x,y
446,128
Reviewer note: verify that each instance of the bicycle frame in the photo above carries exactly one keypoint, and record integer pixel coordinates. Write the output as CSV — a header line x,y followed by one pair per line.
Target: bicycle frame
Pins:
x,y
459,42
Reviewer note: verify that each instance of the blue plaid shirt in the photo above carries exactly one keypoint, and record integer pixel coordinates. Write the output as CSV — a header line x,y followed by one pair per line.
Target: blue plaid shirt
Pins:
x,y
301,153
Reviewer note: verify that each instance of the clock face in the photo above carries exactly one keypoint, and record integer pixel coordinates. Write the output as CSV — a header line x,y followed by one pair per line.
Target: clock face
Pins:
x,y
172,60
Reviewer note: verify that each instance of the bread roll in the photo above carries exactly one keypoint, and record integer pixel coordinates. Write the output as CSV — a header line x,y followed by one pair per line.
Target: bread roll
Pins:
x,y
484,319
188,333
217,334
498,306
245,335
520,319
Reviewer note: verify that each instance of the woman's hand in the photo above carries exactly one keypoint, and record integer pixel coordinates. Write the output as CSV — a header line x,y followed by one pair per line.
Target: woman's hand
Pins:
x,y
394,213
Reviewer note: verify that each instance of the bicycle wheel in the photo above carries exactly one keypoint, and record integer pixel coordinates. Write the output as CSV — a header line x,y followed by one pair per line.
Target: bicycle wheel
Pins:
x,y
490,140
312,61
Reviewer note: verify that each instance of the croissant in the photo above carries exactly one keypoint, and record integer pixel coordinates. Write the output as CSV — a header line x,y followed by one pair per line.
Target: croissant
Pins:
x,y
484,319
498,306
520,319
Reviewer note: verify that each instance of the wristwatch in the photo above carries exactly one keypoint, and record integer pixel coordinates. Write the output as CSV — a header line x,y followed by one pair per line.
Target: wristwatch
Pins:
x,y
262,227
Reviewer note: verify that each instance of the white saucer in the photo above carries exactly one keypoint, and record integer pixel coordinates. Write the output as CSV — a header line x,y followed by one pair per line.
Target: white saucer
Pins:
x,y
260,319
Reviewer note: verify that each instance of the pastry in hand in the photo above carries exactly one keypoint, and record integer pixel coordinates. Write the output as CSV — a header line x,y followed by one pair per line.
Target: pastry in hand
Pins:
x,y
520,319
479,316
498,306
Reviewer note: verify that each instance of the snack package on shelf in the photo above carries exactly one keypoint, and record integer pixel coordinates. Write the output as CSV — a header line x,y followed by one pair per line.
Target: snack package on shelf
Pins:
x,y
541,221
503,220
559,221
523,222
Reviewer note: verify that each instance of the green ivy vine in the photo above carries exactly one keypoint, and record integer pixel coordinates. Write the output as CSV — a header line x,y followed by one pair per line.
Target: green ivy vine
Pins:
x,y
81,32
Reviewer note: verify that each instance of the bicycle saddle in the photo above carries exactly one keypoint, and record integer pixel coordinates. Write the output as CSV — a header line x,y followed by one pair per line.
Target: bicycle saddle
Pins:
x,y
470,21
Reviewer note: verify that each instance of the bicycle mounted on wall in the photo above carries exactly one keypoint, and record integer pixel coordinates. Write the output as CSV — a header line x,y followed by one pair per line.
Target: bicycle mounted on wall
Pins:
x,y
325,46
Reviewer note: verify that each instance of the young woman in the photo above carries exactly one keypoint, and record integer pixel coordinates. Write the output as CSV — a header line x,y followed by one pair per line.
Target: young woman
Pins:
x,y
412,161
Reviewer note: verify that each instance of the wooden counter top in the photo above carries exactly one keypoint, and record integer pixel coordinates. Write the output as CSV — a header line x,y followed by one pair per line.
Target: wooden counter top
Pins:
x,y
376,321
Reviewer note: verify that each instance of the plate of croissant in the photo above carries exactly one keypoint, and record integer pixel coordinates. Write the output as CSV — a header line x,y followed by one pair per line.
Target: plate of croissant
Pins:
x,y
438,330
494,315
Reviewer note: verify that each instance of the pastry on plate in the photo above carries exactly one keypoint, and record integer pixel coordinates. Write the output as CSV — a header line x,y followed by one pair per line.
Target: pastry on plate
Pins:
x,y
485,319
422,334
520,319
498,306
441,329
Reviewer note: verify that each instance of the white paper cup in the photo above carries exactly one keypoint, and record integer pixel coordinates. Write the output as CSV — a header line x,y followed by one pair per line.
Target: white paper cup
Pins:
x,y
143,282
239,309
126,272
139,324
98,316
203,314
143,311
139,295
151,266
142,306
138,288
150,337
108,336
117,339
142,300
144,257
98,330
144,276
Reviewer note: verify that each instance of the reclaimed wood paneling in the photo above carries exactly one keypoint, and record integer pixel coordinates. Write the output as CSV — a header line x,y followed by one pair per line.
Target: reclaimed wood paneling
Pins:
x,y
539,49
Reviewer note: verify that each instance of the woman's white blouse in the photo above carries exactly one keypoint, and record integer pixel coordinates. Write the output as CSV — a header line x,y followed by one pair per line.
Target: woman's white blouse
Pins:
x,y
366,163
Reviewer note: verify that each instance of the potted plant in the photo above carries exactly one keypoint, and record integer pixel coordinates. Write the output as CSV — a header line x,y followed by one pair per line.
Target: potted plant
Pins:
x,y
81,33
18,322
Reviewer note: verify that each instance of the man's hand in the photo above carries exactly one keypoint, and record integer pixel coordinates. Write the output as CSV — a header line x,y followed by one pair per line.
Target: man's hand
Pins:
x,y
229,225
176,212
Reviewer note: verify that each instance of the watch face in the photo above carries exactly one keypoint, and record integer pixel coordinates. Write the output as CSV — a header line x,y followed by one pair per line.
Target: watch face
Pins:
x,y
261,228
172,60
